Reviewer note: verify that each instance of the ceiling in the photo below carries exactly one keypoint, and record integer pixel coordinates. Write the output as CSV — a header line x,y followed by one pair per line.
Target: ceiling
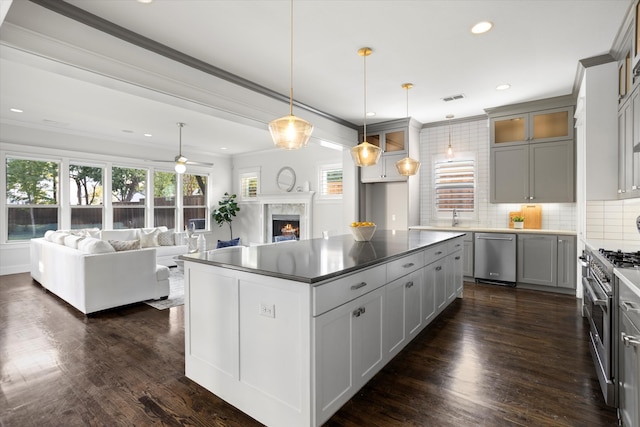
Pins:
x,y
534,46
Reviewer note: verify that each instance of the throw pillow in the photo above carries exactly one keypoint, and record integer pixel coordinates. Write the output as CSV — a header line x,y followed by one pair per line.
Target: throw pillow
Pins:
x,y
125,245
227,243
91,245
72,241
149,238
166,238
59,236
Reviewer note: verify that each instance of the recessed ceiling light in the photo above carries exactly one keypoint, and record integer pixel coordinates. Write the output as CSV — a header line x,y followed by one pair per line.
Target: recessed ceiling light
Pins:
x,y
148,135
223,148
503,87
371,113
481,27
16,110
145,1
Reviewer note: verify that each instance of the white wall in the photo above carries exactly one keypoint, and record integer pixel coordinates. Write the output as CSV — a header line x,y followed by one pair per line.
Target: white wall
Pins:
x,y
473,137
327,214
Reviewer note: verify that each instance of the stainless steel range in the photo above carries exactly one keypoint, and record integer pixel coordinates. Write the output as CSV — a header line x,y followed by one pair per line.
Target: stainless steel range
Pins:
x,y
600,308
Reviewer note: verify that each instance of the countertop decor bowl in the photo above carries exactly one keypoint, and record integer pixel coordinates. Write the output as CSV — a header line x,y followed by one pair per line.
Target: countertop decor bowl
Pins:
x,y
363,233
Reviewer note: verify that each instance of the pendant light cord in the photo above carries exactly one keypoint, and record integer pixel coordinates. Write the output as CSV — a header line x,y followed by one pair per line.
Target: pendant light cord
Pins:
x,y
364,136
291,64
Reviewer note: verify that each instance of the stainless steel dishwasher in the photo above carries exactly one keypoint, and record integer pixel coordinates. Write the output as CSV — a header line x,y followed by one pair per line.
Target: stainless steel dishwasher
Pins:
x,y
495,258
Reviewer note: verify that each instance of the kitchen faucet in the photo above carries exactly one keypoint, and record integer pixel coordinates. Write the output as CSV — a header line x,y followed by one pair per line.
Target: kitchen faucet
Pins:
x,y
454,220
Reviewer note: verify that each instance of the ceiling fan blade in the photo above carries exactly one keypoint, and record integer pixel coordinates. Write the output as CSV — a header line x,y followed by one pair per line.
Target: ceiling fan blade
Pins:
x,y
189,162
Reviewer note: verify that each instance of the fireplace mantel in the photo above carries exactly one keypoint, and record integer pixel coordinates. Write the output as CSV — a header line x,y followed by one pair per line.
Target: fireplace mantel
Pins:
x,y
299,203
291,197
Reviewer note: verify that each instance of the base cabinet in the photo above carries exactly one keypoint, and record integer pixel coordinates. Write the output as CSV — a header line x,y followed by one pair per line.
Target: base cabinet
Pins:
x,y
547,260
467,268
348,351
291,354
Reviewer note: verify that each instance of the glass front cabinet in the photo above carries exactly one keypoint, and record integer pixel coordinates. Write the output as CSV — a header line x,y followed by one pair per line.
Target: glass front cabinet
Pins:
x,y
393,139
538,126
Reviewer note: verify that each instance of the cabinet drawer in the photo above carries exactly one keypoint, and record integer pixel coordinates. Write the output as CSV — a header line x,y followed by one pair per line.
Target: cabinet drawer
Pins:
x,y
332,294
404,266
433,253
455,245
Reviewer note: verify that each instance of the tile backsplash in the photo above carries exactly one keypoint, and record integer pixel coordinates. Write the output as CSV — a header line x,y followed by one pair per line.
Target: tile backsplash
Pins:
x,y
613,219
471,139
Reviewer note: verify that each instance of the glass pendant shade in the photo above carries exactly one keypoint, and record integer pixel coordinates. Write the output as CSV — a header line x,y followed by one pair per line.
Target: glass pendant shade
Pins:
x,y
290,132
365,154
450,152
180,167
407,166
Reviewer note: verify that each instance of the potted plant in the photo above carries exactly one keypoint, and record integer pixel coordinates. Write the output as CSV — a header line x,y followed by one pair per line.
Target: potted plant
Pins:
x,y
518,221
227,209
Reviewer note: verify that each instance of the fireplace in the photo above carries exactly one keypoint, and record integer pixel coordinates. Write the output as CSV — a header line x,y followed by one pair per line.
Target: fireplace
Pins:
x,y
285,227
286,215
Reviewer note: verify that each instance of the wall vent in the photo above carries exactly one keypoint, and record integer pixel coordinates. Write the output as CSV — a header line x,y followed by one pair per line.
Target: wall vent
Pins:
x,y
453,97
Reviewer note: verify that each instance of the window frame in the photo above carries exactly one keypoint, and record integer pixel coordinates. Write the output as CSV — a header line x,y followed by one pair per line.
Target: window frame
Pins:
x,y
322,171
248,173
446,214
72,207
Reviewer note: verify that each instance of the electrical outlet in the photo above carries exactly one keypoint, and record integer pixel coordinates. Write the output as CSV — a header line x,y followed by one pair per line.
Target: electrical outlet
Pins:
x,y
267,310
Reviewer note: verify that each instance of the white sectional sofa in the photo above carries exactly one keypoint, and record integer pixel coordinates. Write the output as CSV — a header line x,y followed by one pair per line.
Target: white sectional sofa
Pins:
x,y
88,273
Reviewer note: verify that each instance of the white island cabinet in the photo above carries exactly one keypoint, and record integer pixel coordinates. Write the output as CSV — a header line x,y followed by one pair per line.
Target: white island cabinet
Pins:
x,y
288,336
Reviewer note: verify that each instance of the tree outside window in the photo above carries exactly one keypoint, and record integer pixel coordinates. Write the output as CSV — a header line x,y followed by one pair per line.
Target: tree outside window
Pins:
x,y
194,201
164,199
32,198
86,196
128,187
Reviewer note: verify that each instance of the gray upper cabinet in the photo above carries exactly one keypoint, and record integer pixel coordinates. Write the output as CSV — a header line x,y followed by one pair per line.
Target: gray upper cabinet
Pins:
x,y
532,155
393,139
542,173
531,127
628,140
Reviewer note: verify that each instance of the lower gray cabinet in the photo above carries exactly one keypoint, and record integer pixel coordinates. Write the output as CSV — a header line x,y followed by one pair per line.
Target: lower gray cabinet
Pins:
x,y
547,260
537,259
567,255
467,266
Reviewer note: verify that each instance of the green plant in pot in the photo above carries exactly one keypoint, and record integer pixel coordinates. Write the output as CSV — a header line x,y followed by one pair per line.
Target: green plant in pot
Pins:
x,y
226,211
518,221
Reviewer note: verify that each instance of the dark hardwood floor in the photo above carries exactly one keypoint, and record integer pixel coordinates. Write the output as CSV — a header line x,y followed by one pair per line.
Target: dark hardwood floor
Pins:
x,y
498,357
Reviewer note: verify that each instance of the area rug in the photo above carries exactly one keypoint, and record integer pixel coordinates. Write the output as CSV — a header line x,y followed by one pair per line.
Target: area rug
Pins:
x,y
176,292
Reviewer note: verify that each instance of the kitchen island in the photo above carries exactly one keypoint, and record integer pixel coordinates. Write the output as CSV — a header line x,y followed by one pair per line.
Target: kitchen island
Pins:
x,y
289,332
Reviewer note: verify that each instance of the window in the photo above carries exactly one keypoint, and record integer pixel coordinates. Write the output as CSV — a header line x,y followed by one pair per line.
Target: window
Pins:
x,y
128,188
454,186
249,184
32,197
164,199
194,201
85,196
330,184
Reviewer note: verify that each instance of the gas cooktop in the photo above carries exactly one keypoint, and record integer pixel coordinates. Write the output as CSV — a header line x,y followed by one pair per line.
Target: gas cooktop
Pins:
x,y
622,259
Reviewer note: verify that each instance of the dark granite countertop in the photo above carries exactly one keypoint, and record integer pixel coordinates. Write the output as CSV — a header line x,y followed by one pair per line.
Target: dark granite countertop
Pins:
x,y
312,261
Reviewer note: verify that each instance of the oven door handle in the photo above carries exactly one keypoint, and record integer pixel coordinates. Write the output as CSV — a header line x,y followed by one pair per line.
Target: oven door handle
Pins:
x,y
629,306
586,282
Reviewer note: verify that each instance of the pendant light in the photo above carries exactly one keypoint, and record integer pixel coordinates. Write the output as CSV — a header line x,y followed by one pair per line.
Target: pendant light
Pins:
x,y
365,154
290,132
449,148
181,161
407,166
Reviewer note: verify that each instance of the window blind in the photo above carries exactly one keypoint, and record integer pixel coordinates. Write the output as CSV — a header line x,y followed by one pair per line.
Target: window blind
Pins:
x,y
331,182
455,185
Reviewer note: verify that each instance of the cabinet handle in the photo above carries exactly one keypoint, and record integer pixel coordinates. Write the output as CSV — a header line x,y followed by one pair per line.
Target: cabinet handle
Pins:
x,y
458,245
408,265
357,312
629,340
531,197
438,268
560,241
439,253
628,306
409,284
358,286
457,257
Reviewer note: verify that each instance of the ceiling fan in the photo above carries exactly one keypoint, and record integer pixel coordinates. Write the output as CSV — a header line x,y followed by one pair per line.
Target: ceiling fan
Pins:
x,y
181,161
